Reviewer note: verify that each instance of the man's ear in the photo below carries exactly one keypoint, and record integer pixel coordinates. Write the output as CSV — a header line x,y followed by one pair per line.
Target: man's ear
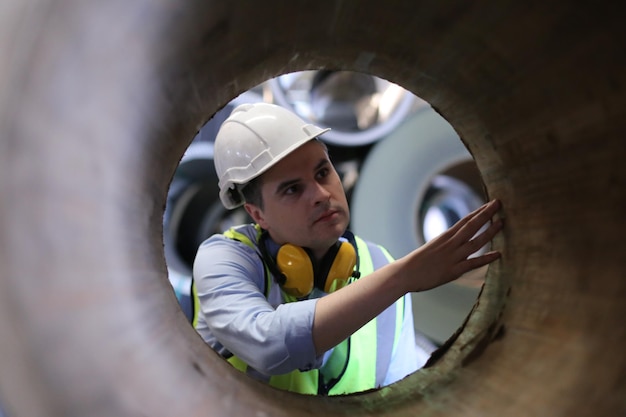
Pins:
x,y
256,213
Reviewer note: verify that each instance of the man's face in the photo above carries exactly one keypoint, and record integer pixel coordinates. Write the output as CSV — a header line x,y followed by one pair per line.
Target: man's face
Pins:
x,y
304,201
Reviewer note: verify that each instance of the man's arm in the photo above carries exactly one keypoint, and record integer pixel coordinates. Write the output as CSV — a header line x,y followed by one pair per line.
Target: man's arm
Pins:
x,y
438,262
273,340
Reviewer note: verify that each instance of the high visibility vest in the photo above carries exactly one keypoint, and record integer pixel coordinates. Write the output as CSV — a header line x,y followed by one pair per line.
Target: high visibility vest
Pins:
x,y
357,364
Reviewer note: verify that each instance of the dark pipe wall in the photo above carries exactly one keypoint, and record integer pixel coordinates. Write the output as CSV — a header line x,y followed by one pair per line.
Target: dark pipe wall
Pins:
x,y
98,101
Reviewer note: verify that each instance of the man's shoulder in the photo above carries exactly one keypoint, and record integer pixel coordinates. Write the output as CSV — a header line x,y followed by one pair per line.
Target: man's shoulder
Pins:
x,y
237,237
220,250
248,233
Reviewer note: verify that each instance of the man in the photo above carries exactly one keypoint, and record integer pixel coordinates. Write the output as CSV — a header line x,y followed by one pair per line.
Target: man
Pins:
x,y
295,299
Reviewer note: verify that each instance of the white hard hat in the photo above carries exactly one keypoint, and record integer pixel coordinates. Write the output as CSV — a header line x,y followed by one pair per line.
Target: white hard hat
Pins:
x,y
251,140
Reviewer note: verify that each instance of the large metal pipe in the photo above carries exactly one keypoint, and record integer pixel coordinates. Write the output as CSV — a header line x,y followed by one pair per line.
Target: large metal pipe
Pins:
x,y
98,101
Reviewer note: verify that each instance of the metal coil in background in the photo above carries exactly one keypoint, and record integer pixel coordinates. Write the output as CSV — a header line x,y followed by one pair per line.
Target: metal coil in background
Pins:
x,y
420,180
360,108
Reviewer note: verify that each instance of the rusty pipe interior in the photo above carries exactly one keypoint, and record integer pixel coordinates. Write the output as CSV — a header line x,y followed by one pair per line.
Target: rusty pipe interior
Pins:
x,y
99,100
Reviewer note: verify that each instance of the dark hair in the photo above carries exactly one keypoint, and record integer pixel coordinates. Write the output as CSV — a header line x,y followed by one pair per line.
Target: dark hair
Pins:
x,y
252,192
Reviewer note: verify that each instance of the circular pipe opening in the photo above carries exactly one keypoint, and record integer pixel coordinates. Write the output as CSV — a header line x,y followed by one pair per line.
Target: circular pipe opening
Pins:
x,y
86,181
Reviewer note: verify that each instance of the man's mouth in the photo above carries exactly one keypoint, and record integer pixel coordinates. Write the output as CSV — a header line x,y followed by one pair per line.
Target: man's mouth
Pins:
x,y
327,215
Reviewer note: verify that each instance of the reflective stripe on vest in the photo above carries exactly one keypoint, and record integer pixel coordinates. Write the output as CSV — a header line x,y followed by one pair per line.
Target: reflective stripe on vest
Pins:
x,y
358,362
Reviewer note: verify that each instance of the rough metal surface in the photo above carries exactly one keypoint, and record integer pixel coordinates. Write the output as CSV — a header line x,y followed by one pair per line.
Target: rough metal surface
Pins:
x,y
98,100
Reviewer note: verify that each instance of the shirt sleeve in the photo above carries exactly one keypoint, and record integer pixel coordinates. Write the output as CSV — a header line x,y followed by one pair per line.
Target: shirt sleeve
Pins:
x,y
235,315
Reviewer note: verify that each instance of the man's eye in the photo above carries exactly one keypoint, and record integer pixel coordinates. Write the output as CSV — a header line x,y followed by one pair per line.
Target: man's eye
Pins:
x,y
322,173
291,190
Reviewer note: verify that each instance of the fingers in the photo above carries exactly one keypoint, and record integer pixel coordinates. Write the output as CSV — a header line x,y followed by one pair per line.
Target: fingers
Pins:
x,y
482,239
467,227
473,263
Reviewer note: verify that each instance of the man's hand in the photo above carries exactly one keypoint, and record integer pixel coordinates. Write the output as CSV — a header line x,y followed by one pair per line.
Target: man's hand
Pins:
x,y
445,258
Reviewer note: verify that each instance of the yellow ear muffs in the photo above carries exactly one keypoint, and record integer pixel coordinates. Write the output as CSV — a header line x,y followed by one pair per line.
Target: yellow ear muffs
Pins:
x,y
341,269
296,267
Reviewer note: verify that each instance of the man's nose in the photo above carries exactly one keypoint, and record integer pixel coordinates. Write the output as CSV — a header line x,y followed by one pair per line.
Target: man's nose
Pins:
x,y
320,194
